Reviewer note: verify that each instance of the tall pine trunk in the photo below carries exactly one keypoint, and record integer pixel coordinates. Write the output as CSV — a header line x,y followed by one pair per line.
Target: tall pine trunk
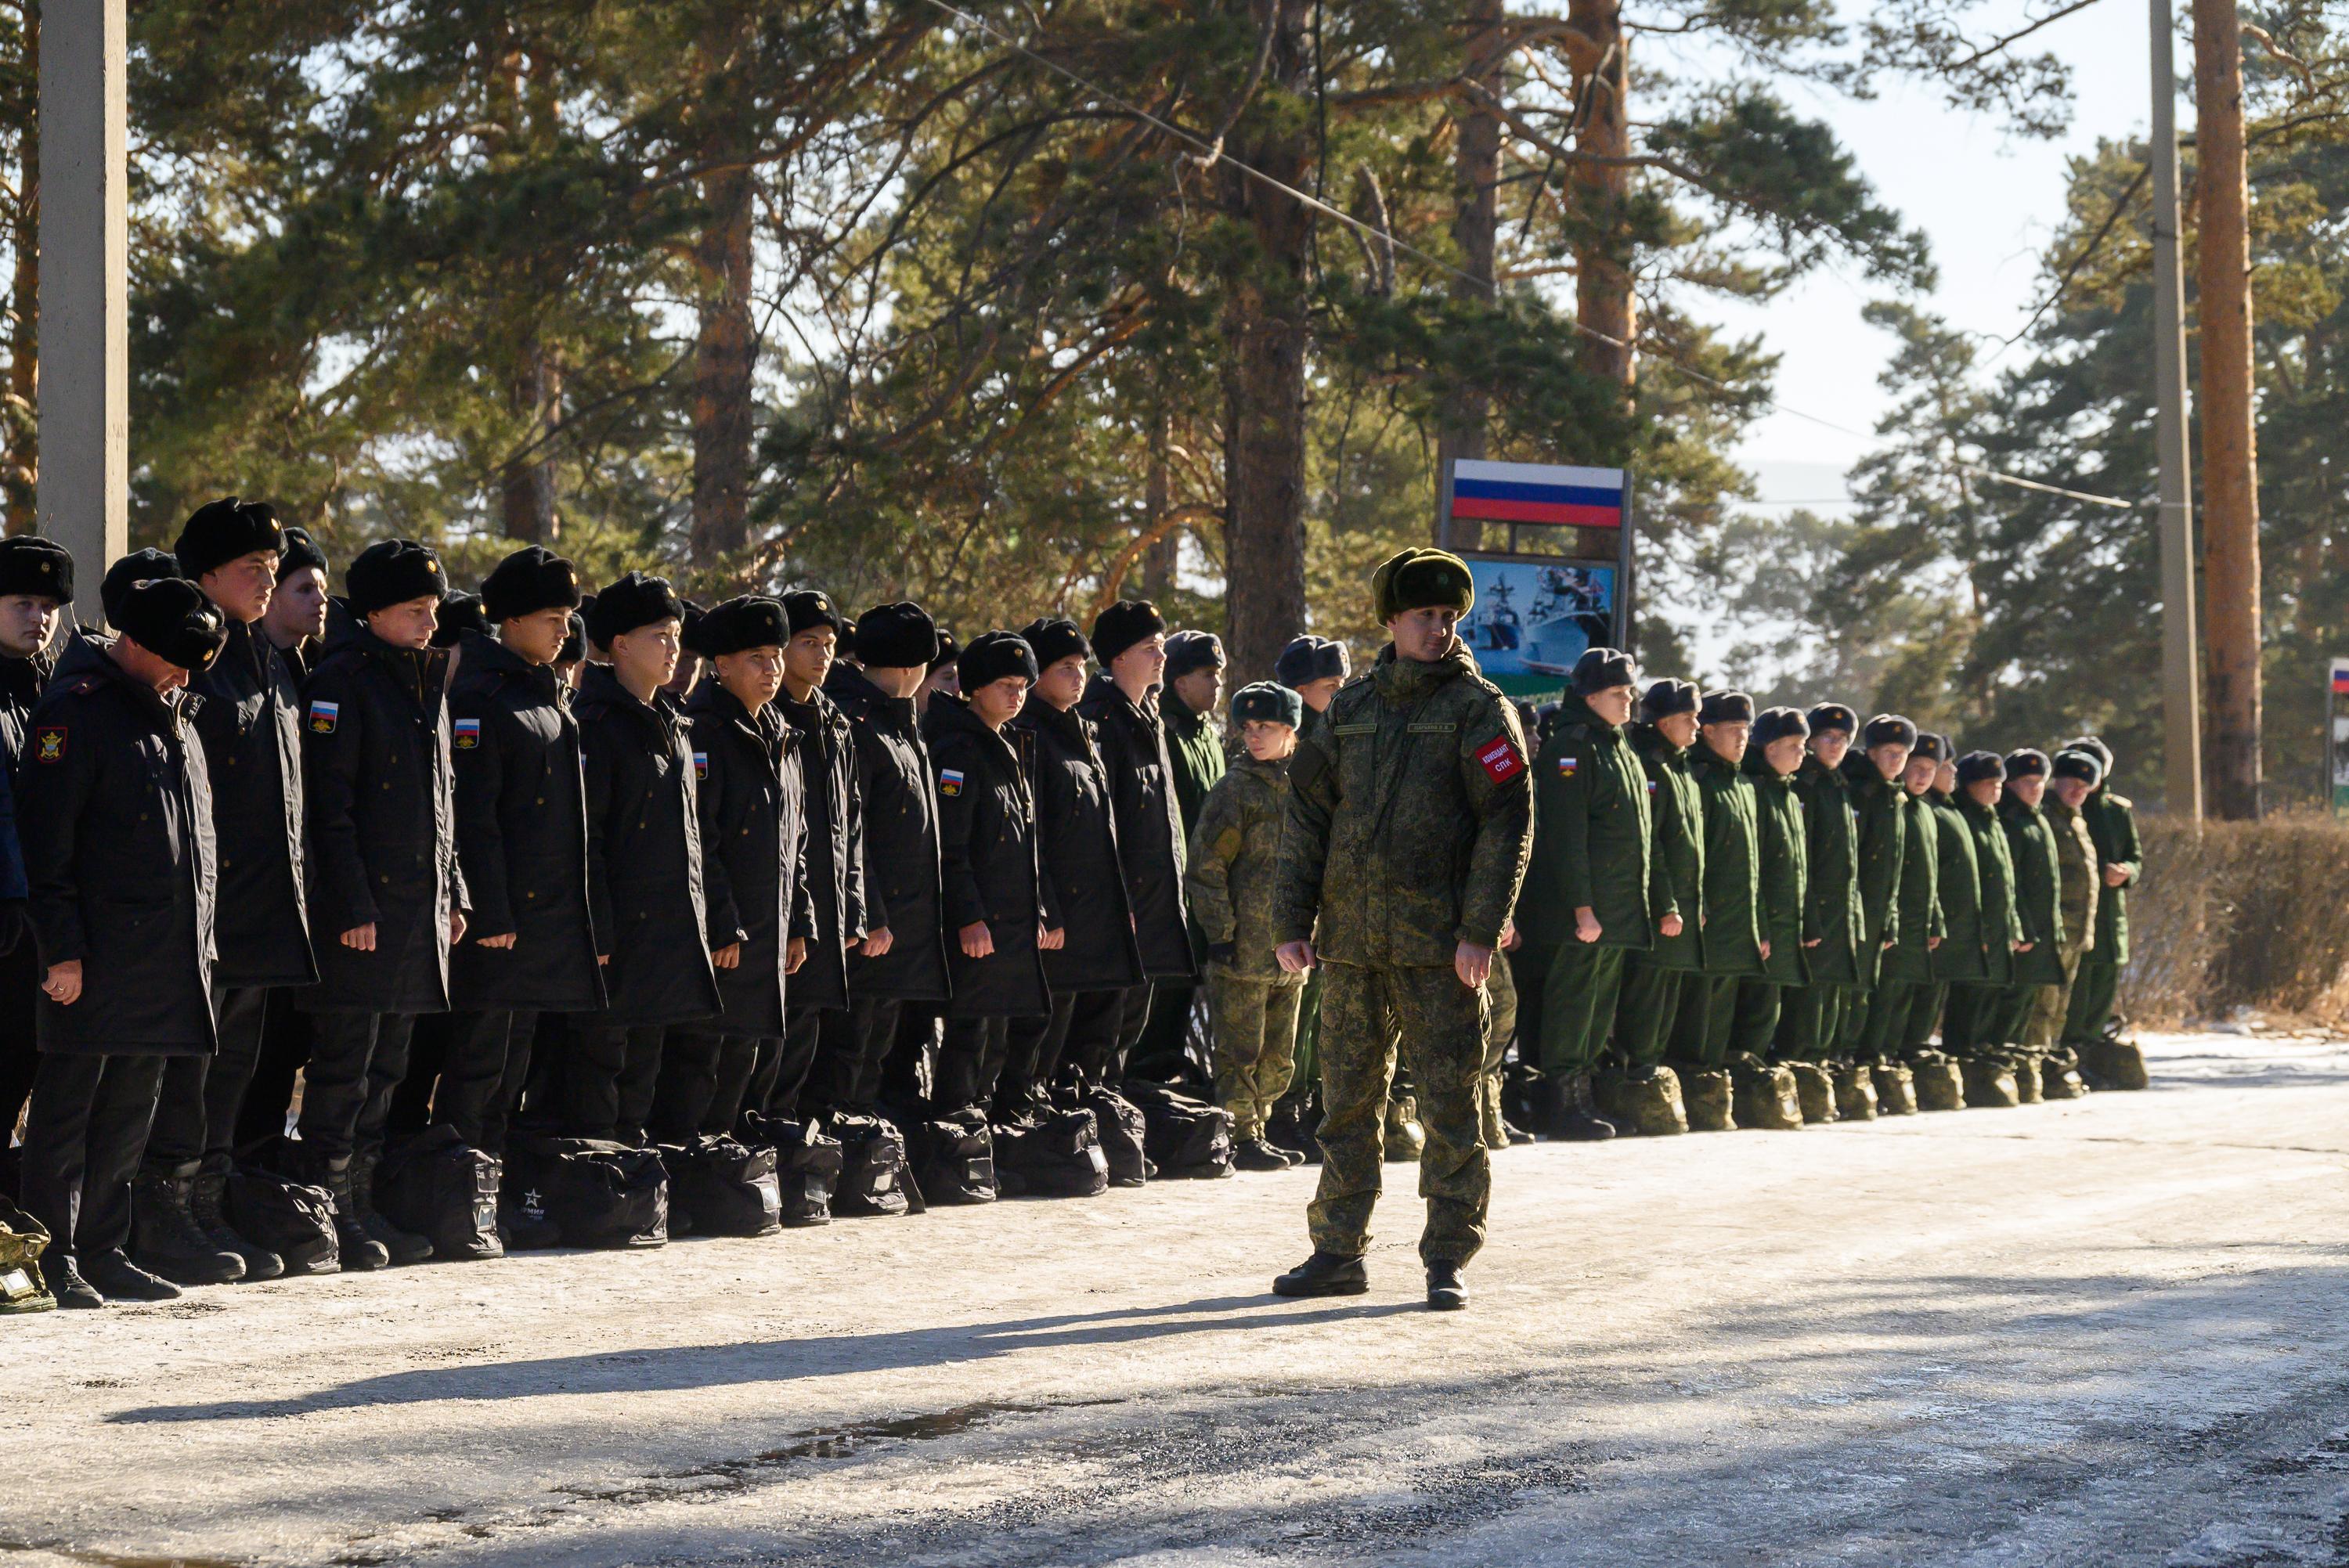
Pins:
x,y
2230,489
1476,175
526,487
724,352
20,467
1602,283
1264,371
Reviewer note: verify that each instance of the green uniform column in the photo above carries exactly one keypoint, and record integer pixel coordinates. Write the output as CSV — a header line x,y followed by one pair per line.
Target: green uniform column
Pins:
x,y
1980,1002
2111,824
1879,842
1733,914
1788,915
1904,983
1814,1015
2038,880
1960,960
1654,981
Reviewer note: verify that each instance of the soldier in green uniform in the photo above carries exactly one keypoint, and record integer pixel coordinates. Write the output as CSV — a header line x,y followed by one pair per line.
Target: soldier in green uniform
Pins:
x,y
1592,883
2121,854
1957,888
1734,942
2038,900
1811,1022
1410,821
1229,878
1881,827
1904,986
1647,1097
1764,1093
1974,1023
1314,668
2072,776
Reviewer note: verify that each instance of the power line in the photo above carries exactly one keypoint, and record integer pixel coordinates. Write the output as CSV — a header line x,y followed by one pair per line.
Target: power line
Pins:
x,y
1212,152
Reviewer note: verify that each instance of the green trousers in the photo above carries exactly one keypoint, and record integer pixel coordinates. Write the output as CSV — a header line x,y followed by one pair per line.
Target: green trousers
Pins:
x,y
1255,1042
1580,988
1441,1025
1708,1019
1891,1007
1753,1028
1924,1011
1647,1008
2042,1028
2096,988
1989,1017
1811,1021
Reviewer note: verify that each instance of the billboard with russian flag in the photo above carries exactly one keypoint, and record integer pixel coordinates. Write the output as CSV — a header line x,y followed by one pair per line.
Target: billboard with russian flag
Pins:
x,y
1550,546
1551,493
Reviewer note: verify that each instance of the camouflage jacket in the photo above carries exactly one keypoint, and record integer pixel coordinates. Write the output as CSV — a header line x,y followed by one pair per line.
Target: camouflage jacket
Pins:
x,y
2079,876
1594,841
1235,862
1410,817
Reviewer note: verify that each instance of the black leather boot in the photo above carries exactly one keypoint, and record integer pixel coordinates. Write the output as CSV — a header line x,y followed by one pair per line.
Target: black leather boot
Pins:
x,y
166,1239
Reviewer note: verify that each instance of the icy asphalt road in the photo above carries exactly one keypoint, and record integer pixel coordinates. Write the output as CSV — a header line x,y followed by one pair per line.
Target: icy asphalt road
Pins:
x,y
2110,1332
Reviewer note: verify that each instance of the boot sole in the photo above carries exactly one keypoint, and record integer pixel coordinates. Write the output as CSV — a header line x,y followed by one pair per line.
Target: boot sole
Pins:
x,y
1358,1287
1446,1301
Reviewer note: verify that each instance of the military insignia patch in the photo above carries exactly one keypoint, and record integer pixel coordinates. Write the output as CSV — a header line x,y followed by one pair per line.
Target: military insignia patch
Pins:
x,y
49,743
1652,786
323,714
1500,761
468,733
949,782
1566,765
701,765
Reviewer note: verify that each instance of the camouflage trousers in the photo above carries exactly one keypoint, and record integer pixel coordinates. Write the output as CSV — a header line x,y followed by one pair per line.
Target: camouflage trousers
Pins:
x,y
1439,1025
2042,1029
1255,1042
1500,1028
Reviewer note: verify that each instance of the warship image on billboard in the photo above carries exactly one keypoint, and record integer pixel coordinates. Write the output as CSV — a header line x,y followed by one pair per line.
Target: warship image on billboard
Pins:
x,y
1533,618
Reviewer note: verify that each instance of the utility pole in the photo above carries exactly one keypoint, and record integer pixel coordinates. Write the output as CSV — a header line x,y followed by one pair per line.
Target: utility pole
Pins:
x,y
2181,695
83,499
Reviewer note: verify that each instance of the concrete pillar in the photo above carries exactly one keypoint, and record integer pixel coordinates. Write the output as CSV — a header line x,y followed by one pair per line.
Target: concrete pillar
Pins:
x,y
84,493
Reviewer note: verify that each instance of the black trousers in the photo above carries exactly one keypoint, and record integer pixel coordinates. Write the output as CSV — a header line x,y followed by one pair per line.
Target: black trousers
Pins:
x,y
851,1053
970,1060
482,1075
780,1076
356,1060
608,1081
20,1050
703,1080
910,1069
285,1037
427,1052
83,1138
1099,1034
196,1116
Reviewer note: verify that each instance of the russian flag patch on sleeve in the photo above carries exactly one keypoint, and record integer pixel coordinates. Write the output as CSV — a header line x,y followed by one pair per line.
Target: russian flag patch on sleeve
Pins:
x,y
323,714
1500,761
949,780
468,732
1568,764
701,765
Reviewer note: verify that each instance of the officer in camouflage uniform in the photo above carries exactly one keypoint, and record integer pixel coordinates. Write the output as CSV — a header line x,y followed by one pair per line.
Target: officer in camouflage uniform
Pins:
x,y
1409,824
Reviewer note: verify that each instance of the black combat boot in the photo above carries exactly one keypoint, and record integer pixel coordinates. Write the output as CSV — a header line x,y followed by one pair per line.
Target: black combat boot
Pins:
x,y
208,1201
1567,1113
165,1235
401,1246
360,1252
67,1284
1324,1274
1445,1293
1255,1154
114,1277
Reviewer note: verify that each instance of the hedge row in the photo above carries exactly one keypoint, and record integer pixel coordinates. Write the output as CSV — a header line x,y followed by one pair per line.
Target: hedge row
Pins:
x,y
2243,914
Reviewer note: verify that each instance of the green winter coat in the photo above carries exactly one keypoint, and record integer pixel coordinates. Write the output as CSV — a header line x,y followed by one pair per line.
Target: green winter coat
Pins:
x,y
1676,861
2038,879
1910,957
2000,917
2112,823
1881,827
1784,872
1235,863
1196,752
1410,817
1958,891
1732,864
1832,912
1593,841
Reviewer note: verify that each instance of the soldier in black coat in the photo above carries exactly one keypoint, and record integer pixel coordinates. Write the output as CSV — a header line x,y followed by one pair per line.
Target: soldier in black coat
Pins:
x,y
530,946
1129,638
835,840
36,582
986,847
903,958
754,861
1091,960
118,831
644,863
386,898
249,718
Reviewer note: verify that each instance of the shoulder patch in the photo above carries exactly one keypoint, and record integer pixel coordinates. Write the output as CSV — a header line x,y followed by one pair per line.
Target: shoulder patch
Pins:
x,y
49,743
467,733
949,782
1568,764
701,765
1500,759
323,714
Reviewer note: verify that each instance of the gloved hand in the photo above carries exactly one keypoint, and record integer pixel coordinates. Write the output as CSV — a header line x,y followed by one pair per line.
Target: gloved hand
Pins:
x,y
16,923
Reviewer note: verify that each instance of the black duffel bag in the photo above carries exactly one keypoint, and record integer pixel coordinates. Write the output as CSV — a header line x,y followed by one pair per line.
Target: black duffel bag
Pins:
x,y
1060,1157
597,1193
807,1164
444,1190
1119,1124
1185,1136
728,1190
287,1216
871,1167
954,1157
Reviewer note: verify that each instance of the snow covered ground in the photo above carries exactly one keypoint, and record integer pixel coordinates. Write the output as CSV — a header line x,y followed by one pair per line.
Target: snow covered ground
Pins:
x,y
2115,1331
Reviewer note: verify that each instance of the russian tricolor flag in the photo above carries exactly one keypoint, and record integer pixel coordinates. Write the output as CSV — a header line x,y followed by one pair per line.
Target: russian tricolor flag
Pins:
x,y
2341,680
1537,492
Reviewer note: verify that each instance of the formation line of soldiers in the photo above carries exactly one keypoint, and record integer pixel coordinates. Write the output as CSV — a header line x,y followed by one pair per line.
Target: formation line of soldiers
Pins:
x,y
612,873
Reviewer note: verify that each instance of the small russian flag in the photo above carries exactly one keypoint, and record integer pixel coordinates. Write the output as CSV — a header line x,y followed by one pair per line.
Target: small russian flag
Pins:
x,y
949,782
1537,492
2341,680
1566,765
468,733
323,714
701,765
